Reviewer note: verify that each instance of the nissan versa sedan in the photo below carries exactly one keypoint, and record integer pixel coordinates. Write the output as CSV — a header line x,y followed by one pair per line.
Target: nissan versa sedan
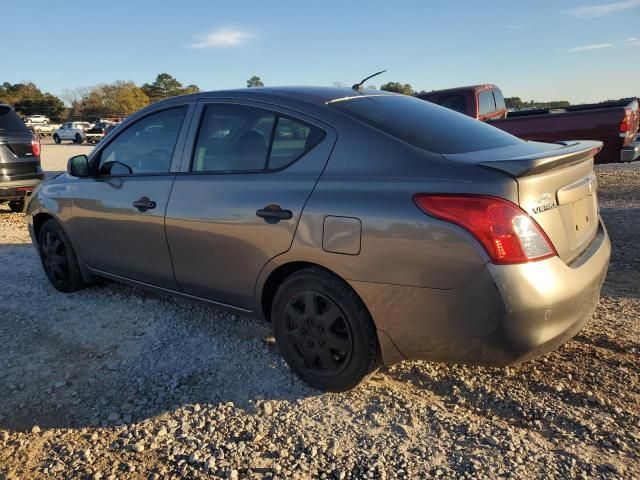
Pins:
x,y
367,227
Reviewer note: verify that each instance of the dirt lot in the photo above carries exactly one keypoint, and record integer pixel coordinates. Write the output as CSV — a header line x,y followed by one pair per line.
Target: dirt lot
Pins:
x,y
112,382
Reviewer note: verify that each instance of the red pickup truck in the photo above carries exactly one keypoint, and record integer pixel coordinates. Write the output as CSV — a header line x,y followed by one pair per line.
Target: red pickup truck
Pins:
x,y
614,123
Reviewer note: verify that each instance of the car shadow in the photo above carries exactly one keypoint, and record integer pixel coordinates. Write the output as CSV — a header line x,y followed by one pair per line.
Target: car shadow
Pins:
x,y
623,277
113,354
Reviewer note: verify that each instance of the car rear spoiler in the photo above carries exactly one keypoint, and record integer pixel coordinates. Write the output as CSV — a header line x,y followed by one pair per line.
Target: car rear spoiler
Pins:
x,y
531,163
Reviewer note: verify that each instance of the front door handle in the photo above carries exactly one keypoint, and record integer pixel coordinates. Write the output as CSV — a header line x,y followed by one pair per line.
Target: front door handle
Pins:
x,y
272,213
143,204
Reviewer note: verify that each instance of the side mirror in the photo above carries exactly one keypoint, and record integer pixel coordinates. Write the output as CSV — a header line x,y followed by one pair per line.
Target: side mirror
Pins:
x,y
78,166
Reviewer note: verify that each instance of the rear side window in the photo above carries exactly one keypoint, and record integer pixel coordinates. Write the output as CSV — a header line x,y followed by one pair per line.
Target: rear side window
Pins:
x,y
10,122
425,125
237,138
486,103
291,140
497,94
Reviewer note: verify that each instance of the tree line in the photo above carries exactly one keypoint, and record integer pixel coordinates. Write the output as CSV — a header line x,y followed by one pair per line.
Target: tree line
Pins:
x,y
117,99
122,98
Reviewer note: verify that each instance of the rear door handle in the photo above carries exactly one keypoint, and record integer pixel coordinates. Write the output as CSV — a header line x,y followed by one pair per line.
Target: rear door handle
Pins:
x,y
272,213
143,204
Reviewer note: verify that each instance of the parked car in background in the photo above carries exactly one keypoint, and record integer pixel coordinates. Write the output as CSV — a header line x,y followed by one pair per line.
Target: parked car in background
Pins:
x,y
74,131
614,123
391,228
36,119
98,131
43,129
20,170
111,128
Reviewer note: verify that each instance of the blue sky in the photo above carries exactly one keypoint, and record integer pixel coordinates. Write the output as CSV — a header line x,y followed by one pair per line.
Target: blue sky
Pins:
x,y
580,50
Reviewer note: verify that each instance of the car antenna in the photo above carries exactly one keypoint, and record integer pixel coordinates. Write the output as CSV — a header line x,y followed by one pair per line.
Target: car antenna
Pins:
x,y
358,86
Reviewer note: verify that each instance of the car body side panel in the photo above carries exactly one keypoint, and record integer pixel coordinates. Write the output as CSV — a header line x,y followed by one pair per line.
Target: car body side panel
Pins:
x,y
400,244
505,314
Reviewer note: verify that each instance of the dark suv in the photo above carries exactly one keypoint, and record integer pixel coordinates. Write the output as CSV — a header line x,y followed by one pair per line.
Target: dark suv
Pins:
x,y
20,170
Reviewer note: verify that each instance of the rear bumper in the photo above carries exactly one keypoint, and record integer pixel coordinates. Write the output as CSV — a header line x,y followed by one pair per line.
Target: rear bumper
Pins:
x,y
631,152
505,314
17,188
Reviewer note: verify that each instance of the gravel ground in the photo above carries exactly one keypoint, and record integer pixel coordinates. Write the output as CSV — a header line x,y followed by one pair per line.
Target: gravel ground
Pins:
x,y
113,382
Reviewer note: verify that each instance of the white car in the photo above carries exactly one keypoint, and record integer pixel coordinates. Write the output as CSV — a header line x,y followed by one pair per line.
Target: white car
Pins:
x,y
36,119
74,131
43,128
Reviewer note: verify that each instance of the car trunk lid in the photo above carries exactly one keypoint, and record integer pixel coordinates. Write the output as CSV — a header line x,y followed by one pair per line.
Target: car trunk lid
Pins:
x,y
556,186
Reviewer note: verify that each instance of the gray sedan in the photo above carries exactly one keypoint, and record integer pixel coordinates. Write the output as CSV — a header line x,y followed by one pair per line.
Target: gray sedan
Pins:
x,y
367,227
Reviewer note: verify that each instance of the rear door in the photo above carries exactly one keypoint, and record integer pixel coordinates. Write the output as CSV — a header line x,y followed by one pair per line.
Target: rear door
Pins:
x,y
239,196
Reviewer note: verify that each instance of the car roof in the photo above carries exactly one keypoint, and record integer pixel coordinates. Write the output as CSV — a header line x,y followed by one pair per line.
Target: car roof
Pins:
x,y
474,88
311,95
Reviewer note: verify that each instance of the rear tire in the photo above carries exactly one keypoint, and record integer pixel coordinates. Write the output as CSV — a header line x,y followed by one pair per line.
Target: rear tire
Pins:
x,y
59,259
56,139
17,206
78,139
324,331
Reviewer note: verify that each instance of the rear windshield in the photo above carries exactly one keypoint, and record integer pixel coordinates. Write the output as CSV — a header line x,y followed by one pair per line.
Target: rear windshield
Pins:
x,y
10,122
425,125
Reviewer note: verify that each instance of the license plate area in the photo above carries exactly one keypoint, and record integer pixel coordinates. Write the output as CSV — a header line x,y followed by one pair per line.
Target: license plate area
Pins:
x,y
581,221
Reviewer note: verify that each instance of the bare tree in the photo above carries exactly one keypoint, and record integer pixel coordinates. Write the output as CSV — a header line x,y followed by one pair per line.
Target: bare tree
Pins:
x,y
75,98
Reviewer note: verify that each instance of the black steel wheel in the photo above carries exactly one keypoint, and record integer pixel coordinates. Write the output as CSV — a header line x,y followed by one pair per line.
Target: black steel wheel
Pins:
x,y
324,331
58,258
56,139
317,330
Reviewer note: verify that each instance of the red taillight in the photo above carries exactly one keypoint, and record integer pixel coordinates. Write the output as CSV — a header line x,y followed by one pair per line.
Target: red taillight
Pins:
x,y
625,125
505,231
35,147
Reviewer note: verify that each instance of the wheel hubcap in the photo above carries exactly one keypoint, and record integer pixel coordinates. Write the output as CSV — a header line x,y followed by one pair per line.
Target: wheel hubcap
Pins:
x,y
54,257
317,331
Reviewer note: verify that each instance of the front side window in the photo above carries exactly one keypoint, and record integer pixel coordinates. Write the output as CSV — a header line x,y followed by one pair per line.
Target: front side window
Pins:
x,y
144,147
485,102
455,102
236,138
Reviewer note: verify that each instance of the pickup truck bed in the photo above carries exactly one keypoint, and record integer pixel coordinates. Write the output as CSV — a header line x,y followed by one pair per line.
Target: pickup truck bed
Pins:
x,y
582,122
613,123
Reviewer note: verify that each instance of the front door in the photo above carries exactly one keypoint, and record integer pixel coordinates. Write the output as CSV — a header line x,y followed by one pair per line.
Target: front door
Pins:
x,y
118,213
236,203
64,131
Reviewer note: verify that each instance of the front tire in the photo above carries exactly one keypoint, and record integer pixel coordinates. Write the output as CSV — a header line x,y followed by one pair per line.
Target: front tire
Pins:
x,y
17,206
56,139
324,331
59,260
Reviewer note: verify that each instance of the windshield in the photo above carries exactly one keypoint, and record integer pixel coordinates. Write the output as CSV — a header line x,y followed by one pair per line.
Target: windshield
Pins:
x,y
424,124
